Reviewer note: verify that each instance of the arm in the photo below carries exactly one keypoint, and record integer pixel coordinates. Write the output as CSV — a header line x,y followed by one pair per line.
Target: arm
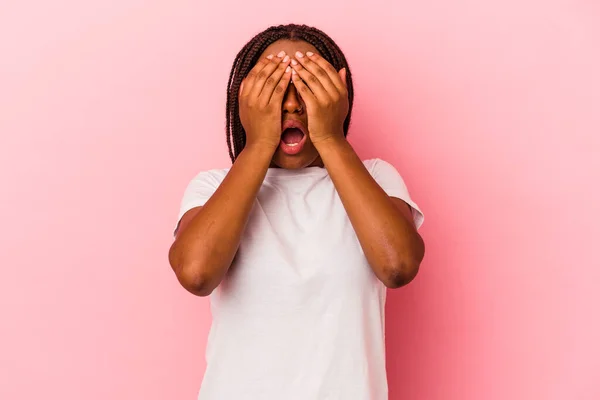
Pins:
x,y
208,237
383,225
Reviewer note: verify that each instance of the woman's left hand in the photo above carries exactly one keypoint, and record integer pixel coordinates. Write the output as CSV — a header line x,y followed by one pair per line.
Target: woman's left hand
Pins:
x,y
324,92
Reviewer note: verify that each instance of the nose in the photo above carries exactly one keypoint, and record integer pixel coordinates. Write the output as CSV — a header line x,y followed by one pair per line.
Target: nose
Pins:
x,y
292,102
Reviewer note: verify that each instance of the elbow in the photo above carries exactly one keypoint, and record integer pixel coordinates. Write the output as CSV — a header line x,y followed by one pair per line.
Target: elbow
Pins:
x,y
191,276
400,274
402,271
195,282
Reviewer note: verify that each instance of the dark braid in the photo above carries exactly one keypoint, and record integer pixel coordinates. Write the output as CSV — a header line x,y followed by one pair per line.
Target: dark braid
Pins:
x,y
248,57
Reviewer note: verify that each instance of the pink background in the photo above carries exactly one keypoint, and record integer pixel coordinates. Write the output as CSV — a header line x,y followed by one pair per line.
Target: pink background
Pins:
x,y
490,109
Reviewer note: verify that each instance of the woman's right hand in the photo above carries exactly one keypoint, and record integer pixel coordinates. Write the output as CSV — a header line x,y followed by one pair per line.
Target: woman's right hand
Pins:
x,y
261,98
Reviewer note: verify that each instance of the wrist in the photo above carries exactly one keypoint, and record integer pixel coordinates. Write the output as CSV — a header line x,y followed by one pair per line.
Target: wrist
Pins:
x,y
332,142
262,151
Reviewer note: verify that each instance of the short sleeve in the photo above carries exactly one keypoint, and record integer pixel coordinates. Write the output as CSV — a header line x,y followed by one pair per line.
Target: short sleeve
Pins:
x,y
392,183
199,190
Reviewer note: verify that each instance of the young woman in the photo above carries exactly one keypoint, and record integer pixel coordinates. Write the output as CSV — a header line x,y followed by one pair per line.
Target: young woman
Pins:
x,y
297,242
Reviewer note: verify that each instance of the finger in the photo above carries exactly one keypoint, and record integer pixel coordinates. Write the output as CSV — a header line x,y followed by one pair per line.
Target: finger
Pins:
x,y
281,88
335,77
265,73
272,81
310,80
320,72
305,92
343,75
248,81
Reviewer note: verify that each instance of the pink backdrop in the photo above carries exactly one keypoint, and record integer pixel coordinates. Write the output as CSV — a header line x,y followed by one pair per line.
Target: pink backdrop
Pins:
x,y
490,109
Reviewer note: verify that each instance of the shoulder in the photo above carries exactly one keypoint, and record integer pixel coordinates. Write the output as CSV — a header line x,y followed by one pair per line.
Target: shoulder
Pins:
x,y
208,177
390,180
216,173
202,186
379,166
387,176
199,189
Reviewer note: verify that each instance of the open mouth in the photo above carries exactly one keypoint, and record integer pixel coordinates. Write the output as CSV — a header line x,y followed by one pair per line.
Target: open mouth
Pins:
x,y
293,137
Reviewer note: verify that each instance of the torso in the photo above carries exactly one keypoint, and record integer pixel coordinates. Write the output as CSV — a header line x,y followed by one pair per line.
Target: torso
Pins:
x,y
300,314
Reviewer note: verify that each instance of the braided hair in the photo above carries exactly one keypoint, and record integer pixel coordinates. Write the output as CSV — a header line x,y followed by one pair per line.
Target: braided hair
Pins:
x,y
248,57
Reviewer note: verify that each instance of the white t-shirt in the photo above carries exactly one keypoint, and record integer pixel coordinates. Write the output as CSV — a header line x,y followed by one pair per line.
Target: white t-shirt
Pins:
x,y
300,314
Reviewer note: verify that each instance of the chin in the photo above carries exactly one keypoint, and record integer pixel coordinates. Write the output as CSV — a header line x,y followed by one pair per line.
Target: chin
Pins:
x,y
304,159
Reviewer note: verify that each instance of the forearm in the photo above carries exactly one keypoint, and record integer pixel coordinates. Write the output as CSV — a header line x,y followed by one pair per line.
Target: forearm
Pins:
x,y
389,239
204,251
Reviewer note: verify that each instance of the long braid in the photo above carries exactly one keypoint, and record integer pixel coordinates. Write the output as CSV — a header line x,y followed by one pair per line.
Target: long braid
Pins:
x,y
248,57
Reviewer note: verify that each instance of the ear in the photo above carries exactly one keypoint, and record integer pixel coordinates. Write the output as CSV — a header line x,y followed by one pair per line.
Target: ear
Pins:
x,y
342,73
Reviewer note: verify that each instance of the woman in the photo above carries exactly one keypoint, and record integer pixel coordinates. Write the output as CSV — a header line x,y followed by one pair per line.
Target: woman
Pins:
x,y
297,242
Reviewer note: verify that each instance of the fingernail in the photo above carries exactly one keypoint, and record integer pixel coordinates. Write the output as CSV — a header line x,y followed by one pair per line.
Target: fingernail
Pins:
x,y
299,55
294,62
286,59
294,72
270,56
309,53
287,70
281,54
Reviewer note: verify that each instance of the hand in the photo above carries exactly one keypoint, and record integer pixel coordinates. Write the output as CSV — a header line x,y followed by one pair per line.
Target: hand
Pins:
x,y
324,92
260,98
